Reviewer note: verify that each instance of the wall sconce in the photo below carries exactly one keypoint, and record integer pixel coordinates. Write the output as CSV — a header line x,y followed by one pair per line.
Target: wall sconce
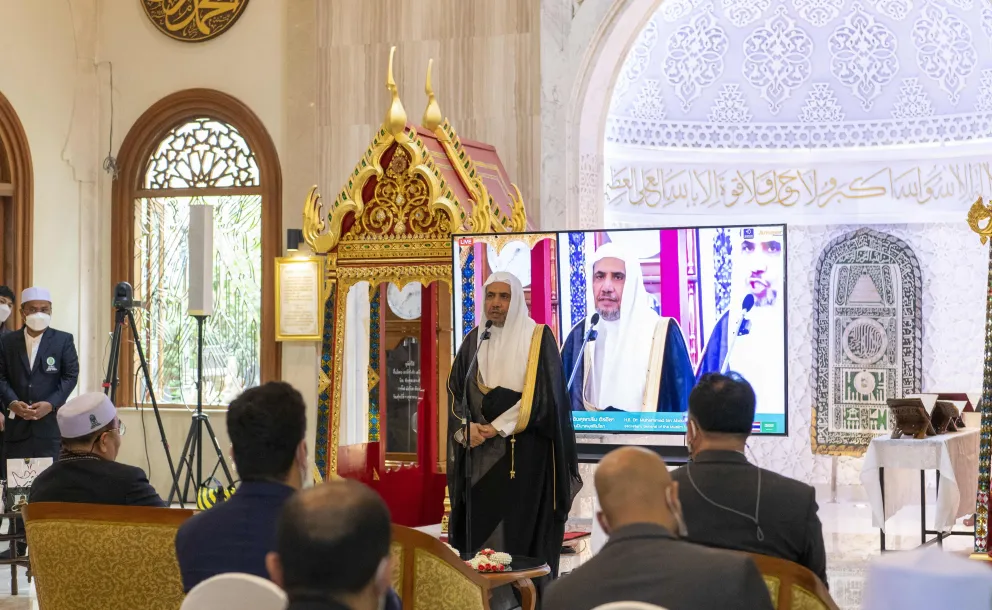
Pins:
x,y
294,237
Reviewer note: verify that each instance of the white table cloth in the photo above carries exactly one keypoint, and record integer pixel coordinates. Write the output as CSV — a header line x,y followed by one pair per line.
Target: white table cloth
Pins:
x,y
927,580
954,454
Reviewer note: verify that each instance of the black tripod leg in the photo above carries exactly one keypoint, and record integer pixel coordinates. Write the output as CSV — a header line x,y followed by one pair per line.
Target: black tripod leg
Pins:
x,y
220,453
111,381
183,461
194,436
151,395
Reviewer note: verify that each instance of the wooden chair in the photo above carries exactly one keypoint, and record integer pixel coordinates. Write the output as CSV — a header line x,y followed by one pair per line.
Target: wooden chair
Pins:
x,y
427,575
112,557
792,586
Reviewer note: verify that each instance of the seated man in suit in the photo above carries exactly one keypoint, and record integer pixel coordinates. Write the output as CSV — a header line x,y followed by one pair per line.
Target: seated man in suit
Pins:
x,y
267,425
332,549
732,504
38,371
644,560
86,470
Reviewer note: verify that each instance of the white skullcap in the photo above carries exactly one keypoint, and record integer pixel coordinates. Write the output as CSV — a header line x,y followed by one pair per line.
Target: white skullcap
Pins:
x,y
85,413
36,294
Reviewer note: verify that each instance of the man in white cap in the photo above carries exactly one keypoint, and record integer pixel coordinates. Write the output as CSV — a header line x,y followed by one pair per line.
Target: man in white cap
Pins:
x,y
86,471
38,372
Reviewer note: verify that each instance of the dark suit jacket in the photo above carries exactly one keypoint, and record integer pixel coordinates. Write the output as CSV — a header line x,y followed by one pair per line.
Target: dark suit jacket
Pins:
x,y
643,562
52,379
92,480
236,535
787,513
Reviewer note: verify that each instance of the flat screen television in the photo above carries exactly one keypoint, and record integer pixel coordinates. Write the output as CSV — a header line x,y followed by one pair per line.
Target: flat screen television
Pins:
x,y
669,306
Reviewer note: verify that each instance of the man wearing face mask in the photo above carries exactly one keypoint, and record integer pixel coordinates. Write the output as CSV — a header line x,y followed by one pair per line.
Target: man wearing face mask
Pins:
x,y
86,470
38,371
6,307
732,504
645,559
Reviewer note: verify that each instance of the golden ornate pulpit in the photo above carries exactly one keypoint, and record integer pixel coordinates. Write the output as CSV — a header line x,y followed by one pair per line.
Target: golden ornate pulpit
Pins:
x,y
387,340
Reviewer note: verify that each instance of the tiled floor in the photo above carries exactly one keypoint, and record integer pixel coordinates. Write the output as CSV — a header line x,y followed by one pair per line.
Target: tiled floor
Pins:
x,y
850,540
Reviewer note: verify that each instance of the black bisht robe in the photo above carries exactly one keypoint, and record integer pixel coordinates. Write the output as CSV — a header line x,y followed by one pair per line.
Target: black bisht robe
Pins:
x,y
525,514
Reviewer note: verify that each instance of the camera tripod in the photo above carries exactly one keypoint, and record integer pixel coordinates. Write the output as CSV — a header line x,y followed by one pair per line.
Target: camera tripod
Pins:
x,y
123,314
193,448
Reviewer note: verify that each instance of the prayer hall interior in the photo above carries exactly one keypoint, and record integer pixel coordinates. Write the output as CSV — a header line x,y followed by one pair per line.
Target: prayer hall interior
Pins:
x,y
794,196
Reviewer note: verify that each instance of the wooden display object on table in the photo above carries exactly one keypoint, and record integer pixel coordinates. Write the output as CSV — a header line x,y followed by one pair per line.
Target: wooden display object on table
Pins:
x,y
945,417
910,418
392,223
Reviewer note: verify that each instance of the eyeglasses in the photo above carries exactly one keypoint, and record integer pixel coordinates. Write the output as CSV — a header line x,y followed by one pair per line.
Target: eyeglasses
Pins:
x,y
121,428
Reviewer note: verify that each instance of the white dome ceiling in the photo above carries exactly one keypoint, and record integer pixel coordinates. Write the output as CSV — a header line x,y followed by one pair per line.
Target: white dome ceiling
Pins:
x,y
807,73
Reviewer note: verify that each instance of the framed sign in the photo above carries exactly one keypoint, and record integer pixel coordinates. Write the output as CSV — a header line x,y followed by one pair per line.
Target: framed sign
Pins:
x,y
298,303
193,20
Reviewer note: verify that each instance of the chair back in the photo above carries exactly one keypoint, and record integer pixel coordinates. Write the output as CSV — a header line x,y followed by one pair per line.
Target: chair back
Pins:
x,y
242,591
792,586
628,606
427,575
119,557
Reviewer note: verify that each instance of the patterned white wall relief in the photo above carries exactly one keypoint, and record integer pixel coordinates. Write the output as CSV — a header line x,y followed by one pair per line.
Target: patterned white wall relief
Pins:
x,y
830,73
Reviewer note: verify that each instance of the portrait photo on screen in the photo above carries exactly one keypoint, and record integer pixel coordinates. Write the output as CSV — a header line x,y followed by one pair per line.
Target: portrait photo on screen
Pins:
x,y
647,312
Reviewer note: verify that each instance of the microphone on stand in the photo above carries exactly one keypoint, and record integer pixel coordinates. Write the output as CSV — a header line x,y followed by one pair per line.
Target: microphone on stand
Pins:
x,y
743,328
467,553
590,336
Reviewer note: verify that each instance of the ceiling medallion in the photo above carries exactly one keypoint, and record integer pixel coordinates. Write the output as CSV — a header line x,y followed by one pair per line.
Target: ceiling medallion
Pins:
x,y
193,20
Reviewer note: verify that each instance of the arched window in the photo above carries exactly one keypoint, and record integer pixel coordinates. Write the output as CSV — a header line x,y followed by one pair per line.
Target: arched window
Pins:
x,y
16,205
200,156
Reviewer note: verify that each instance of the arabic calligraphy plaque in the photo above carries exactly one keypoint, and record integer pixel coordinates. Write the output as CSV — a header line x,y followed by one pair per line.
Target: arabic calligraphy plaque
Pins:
x,y
867,338
193,20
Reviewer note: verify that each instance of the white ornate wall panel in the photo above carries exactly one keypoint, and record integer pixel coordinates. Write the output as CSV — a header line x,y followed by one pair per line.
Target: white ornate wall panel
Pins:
x,y
811,73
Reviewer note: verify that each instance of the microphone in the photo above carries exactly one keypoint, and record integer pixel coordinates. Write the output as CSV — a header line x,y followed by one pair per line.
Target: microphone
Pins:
x,y
467,553
743,328
590,336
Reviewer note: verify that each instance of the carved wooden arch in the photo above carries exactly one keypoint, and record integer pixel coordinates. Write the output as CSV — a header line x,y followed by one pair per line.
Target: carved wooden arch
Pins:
x,y
138,146
18,223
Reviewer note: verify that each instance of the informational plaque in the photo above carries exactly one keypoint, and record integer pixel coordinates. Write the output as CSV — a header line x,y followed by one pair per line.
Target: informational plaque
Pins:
x,y
298,299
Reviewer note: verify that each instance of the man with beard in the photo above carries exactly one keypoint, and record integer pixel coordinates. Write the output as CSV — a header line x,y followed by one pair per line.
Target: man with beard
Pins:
x,y
639,361
748,338
524,470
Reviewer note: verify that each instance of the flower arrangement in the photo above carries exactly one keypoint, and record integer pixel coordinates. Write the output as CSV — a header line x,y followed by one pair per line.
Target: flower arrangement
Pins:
x,y
488,560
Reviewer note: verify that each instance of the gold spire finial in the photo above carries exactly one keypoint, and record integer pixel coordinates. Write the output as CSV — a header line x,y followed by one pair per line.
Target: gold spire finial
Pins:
x,y
396,116
432,115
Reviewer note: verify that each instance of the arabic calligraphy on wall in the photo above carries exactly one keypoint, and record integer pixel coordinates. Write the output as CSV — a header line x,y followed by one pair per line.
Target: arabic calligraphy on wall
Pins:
x,y
671,188
193,20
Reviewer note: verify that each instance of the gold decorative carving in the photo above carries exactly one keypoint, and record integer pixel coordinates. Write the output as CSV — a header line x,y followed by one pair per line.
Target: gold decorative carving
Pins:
x,y
980,212
432,115
498,242
193,20
401,275
395,122
518,217
313,224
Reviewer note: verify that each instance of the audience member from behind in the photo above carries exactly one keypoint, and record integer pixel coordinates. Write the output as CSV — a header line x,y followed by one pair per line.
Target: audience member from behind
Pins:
x,y
644,560
86,470
332,549
732,504
267,425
